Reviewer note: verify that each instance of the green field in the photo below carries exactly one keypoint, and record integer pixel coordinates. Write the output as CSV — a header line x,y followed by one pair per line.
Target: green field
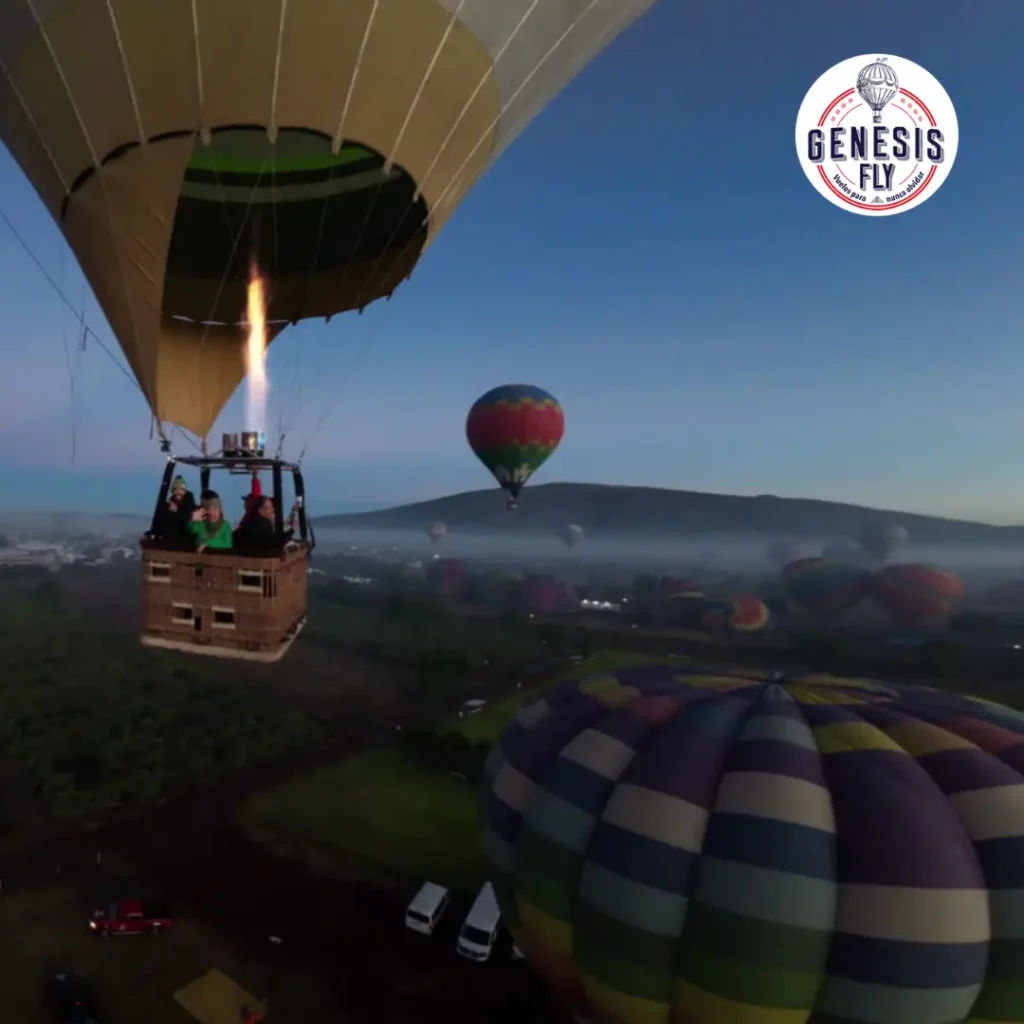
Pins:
x,y
382,814
96,721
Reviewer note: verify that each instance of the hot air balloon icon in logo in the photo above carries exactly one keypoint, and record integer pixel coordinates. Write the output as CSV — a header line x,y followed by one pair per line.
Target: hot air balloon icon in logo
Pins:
x,y
876,85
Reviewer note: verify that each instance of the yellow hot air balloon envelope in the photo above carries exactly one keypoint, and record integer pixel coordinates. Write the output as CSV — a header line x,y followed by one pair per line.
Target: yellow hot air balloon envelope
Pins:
x,y
177,142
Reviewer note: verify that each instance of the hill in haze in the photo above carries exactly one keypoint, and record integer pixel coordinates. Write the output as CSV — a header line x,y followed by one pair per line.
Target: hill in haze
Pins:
x,y
612,509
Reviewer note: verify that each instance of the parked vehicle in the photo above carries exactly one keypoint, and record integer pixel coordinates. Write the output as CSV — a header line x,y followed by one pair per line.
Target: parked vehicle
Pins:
x,y
131,917
426,908
480,929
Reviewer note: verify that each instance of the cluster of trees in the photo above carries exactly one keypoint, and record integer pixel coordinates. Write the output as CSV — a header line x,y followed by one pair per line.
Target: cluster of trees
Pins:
x,y
416,632
99,722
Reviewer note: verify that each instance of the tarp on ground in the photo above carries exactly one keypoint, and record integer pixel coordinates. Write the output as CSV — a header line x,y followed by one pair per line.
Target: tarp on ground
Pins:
x,y
215,998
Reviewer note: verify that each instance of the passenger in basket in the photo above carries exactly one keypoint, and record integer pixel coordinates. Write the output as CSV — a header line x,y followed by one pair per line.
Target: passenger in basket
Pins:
x,y
251,507
209,528
258,533
176,517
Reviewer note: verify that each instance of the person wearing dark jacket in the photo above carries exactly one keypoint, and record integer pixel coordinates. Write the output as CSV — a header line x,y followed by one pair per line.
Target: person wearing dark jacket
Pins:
x,y
177,514
258,532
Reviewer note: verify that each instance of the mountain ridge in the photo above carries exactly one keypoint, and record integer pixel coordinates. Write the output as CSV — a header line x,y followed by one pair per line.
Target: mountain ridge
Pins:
x,y
619,508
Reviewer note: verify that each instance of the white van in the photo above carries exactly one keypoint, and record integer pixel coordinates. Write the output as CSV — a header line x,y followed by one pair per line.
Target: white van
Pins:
x,y
480,929
426,908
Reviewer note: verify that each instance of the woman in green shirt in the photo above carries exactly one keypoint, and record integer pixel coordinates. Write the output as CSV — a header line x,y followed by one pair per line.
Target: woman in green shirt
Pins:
x,y
209,528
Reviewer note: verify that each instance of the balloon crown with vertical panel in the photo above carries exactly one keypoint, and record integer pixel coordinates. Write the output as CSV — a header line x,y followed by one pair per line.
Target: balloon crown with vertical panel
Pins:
x,y
325,140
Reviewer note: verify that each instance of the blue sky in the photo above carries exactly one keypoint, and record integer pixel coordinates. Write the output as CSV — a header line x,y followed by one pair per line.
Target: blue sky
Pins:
x,y
650,251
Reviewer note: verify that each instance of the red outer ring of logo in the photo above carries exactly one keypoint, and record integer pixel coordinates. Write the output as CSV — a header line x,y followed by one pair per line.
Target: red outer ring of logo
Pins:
x,y
870,206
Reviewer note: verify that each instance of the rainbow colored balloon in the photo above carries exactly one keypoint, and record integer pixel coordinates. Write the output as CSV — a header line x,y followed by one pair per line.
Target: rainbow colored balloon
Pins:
x,y
676,847
825,590
916,596
513,430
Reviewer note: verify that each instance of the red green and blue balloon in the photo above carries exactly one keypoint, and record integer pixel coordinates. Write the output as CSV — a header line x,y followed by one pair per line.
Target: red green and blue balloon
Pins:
x,y
513,429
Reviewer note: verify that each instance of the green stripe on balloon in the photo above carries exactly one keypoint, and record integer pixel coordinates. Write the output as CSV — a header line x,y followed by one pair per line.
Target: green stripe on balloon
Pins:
x,y
515,455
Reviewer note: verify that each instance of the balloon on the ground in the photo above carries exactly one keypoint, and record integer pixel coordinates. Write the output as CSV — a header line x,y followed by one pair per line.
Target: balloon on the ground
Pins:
x,y
744,614
882,539
674,846
512,430
825,590
916,596
176,143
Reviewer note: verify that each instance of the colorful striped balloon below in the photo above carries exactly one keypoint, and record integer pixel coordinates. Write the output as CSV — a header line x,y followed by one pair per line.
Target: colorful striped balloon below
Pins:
x,y
916,596
681,848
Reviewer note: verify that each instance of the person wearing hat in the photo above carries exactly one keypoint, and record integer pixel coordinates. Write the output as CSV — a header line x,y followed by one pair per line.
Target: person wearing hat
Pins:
x,y
209,528
181,504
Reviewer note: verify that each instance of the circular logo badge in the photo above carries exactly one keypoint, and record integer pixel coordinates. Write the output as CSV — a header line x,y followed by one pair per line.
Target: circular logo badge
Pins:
x,y
877,135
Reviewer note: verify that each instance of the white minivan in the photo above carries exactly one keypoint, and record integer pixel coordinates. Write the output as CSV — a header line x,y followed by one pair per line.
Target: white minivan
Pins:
x,y
426,908
480,929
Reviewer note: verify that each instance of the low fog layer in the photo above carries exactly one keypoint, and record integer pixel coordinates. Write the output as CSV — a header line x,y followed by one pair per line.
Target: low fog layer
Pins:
x,y
737,553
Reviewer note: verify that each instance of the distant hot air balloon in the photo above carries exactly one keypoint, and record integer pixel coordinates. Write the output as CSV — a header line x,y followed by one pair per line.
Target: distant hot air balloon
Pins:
x,y
437,532
668,845
876,85
882,539
685,609
782,552
744,614
571,535
825,590
513,430
916,596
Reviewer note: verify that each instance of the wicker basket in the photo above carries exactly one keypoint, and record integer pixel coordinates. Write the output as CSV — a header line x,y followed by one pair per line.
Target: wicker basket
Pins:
x,y
224,604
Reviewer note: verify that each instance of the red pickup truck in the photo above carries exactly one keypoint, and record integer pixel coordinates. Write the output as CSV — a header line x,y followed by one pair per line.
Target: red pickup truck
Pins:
x,y
131,917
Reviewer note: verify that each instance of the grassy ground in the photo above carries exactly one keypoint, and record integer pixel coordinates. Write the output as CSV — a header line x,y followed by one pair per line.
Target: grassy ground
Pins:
x,y
134,979
380,814
384,816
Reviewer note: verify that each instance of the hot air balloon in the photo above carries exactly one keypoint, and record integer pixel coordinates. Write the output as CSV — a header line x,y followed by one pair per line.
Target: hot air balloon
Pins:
x,y
684,609
571,535
328,143
673,846
916,596
744,614
437,532
882,539
877,84
826,590
186,149
782,552
513,430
